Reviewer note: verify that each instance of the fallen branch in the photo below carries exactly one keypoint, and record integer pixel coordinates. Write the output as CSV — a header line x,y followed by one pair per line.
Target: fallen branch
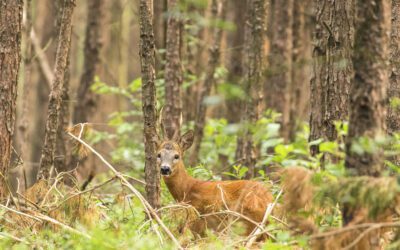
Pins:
x,y
149,210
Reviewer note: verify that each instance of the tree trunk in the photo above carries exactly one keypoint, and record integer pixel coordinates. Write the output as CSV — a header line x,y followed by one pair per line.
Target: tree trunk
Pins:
x,y
173,73
22,134
10,57
254,40
218,13
393,117
301,56
278,86
147,62
52,123
332,67
46,23
86,99
235,42
369,89
160,30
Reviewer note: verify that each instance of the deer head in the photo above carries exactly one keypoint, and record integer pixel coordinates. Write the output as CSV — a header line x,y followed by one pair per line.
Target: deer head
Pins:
x,y
170,153
170,149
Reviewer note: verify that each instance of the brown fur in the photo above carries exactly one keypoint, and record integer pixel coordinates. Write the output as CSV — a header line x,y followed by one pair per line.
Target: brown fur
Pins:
x,y
249,198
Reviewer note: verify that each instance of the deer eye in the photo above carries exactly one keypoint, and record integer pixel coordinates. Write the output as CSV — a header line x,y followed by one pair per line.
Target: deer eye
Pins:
x,y
159,155
176,157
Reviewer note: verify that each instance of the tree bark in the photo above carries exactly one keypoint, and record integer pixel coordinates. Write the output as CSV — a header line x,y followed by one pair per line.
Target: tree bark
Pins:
x,y
332,67
52,123
10,57
218,13
160,30
86,100
301,56
393,117
235,42
369,90
22,134
173,73
46,23
147,62
278,86
254,40
86,103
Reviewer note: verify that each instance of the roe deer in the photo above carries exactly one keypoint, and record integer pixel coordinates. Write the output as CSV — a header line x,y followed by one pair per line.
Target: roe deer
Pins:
x,y
249,198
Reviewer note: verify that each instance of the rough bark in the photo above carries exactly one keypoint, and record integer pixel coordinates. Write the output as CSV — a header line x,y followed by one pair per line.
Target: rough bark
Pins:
x,y
254,40
393,117
218,13
368,91
332,67
52,123
173,73
278,86
301,56
235,42
147,62
10,57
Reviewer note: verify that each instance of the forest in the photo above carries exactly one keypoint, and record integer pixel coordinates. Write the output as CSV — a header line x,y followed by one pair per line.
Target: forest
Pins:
x,y
200,124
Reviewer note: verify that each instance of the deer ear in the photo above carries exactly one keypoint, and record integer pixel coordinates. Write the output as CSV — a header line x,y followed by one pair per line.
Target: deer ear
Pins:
x,y
187,140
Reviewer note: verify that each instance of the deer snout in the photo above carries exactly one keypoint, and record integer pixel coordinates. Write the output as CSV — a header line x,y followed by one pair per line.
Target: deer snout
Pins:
x,y
165,170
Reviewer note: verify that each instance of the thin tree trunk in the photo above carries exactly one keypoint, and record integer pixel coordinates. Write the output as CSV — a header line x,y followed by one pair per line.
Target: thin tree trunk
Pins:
x,y
301,55
393,117
52,123
160,30
369,90
10,57
218,13
173,73
46,23
147,62
235,63
254,40
278,86
23,135
86,99
332,67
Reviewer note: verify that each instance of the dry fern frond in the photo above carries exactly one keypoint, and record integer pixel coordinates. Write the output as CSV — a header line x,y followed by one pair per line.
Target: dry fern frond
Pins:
x,y
80,130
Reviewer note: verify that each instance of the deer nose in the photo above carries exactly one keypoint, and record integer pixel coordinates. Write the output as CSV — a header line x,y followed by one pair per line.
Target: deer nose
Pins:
x,y
165,170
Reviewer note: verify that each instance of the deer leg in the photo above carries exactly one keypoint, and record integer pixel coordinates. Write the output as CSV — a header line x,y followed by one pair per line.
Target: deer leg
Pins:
x,y
198,228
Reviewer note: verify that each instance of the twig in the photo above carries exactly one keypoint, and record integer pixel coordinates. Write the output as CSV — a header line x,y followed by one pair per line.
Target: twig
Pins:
x,y
6,235
362,235
149,210
43,62
354,227
268,211
20,213
86,191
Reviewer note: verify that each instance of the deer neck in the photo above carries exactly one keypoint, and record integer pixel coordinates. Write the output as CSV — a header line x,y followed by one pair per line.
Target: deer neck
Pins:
x,y
180,183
